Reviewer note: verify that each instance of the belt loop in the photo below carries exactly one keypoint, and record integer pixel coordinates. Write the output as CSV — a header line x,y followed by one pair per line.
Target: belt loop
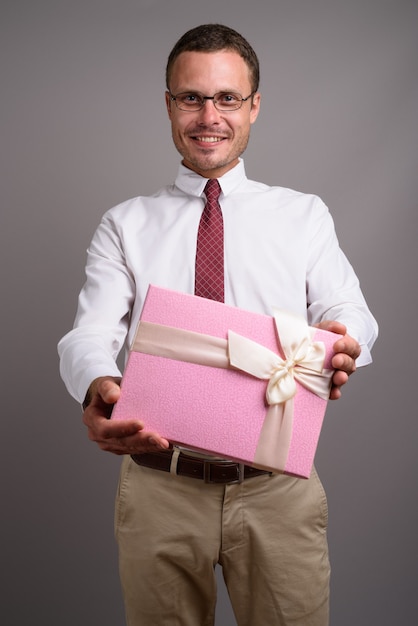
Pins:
x,y
241,472
174,460
206,471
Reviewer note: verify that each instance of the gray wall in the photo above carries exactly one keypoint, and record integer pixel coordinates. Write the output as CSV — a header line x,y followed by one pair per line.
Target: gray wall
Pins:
x,y
84,128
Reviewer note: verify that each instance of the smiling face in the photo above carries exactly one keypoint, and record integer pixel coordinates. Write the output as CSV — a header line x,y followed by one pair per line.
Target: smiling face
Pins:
x,y
210,141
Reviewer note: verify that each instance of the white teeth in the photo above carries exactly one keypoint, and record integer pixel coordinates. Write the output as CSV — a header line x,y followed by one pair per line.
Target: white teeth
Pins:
x,y
209,139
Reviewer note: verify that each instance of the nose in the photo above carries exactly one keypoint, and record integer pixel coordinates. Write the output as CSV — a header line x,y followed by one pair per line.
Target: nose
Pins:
x,y
209,114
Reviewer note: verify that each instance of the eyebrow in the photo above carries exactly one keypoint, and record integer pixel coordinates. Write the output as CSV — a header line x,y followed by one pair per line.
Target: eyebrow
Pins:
x,y
227,90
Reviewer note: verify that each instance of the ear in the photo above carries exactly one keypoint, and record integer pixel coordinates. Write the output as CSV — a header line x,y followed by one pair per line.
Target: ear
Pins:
x,y
255,107
168,103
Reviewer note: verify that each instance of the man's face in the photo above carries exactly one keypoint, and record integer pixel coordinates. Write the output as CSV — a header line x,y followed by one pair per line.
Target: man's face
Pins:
x,y
210,141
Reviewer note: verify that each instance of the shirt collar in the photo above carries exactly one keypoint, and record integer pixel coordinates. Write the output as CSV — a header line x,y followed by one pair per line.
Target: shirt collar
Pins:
x,y
193,184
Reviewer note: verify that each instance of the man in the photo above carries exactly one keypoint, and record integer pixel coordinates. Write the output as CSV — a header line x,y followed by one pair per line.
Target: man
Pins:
x,y
269,531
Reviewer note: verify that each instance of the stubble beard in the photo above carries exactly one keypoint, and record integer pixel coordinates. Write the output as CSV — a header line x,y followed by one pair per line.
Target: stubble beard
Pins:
x,y
208,162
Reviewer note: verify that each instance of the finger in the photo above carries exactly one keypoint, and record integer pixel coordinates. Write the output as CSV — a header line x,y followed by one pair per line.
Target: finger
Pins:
x,y
347,345
335,393
343,362
340,378
108,429
109,391
333,327
146,442
138,444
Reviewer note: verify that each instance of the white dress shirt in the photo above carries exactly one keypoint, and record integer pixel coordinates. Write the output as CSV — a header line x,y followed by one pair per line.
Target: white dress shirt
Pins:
x,y
280,251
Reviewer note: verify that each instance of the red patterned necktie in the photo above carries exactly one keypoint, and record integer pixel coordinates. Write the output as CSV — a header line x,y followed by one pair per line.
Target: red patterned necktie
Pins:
x,y
209,276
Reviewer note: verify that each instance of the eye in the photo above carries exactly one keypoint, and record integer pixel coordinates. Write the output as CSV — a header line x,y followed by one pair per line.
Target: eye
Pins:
x,y
190,98
228,98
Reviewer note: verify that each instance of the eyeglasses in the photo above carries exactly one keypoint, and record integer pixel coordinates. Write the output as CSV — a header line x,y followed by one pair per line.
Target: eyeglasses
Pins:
x,y
224,100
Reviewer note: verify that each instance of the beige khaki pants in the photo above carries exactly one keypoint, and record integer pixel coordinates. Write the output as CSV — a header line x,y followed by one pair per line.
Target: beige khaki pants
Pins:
x,y
268,533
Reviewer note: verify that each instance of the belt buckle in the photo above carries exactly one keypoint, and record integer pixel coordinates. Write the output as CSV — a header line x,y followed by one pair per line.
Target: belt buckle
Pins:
x,y
207,474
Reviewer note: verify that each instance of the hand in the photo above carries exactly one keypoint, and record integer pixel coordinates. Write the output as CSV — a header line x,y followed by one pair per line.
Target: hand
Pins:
x,y
117,436
347,350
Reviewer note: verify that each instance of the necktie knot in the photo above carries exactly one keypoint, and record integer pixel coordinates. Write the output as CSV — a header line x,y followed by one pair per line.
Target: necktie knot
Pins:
x,y
212,190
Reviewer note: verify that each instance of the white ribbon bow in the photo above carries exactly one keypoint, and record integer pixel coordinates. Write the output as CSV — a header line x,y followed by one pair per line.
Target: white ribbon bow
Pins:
x,y
303,362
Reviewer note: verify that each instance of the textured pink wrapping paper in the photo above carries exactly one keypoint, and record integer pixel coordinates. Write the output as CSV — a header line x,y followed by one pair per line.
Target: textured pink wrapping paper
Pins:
x,y
211,409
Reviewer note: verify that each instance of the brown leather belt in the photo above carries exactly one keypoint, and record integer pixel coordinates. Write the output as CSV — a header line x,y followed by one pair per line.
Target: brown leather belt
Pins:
x,y
193,467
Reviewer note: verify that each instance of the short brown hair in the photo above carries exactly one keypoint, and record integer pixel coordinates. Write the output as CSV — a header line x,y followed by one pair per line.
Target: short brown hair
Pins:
x,y
211,38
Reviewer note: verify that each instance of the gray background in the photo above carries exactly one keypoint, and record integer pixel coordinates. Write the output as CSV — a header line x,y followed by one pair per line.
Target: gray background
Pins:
x,y
84,127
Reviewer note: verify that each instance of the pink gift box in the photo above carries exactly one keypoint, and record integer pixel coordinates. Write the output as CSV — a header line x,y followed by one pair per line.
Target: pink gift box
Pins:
x,y
217,379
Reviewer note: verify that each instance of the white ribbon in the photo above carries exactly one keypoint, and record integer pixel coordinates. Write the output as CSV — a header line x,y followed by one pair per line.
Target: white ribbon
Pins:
x,y
304,359
303,362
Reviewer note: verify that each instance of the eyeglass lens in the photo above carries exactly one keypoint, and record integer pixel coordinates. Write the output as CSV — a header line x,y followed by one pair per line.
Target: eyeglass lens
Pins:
x,y
223,101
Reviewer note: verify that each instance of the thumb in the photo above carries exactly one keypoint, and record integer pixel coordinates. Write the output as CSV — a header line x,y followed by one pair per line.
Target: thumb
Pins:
x,y
109,390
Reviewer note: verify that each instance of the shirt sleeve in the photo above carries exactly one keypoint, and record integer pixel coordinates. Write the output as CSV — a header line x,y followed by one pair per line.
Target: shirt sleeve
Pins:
x,y
90,350
333,289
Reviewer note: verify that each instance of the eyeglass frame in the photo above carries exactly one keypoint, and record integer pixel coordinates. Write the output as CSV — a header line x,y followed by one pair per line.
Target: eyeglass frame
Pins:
x,y
173,98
